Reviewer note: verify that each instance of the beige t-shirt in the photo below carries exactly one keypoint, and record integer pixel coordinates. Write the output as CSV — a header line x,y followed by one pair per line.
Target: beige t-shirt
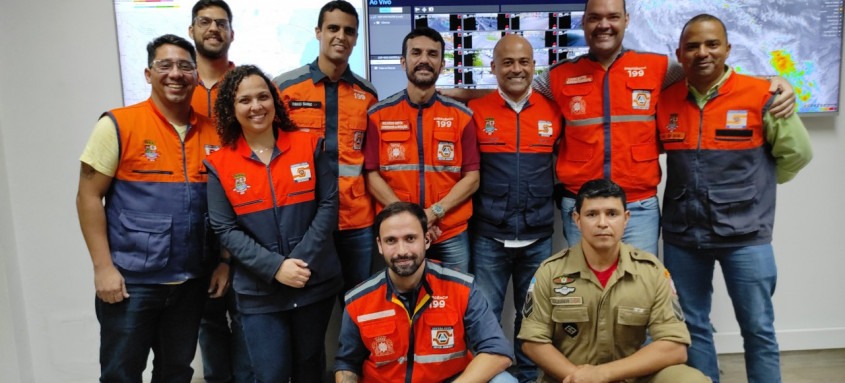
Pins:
x,y
102,150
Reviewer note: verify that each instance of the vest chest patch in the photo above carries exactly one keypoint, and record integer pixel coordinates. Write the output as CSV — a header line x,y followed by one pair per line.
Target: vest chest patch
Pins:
x,y
442,337
240,183
210,148
150,150
737,119
578,105
641,99
672,135
445,151
489,126
301,172
395,152
545,128
382,346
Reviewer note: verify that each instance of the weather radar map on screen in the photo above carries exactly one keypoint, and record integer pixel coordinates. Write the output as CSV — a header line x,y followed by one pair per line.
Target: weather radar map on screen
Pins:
x,y
277,36
800,41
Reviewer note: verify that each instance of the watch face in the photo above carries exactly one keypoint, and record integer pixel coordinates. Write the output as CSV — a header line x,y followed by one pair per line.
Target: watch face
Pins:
x,y
437,210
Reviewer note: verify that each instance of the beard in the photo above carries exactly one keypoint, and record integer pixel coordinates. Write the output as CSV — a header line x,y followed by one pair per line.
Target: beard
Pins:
x,y
212,54
405,270
422,82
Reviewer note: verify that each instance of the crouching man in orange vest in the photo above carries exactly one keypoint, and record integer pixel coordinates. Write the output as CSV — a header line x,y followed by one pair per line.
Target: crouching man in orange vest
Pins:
x,y
418,321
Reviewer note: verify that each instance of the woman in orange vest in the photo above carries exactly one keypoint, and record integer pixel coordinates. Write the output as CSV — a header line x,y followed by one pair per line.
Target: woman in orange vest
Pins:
x,y
273,204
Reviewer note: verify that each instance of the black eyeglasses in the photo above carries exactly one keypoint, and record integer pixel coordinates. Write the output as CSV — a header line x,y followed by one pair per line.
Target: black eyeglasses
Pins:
x,y
165,66
205,22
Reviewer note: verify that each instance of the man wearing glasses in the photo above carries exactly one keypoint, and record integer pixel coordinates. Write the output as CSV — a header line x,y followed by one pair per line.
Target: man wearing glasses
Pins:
x,y
223,349
148,242
211,30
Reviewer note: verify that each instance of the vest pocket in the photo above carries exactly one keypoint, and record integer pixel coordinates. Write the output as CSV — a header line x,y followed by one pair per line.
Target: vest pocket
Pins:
x,y
630,326
144,243
381,339
445,331
578,150
247,283
539,211
492,202
675,210
568,323
731,210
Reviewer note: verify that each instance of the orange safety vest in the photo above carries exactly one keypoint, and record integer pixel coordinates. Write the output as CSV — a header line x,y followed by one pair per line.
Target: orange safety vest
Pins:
x,y
203,99
438,349
721,177
514,199
156,206
609,121
338,112
277,206
420,153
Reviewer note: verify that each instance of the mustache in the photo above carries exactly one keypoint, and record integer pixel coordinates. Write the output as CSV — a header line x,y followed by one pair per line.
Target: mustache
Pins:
x,y
423,66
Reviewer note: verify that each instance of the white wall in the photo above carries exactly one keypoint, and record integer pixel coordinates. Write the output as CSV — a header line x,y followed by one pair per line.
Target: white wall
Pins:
x,y
59,71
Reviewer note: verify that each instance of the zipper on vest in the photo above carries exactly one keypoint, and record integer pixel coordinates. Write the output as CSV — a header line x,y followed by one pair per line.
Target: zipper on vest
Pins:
x,y
421,154
518,153
152,171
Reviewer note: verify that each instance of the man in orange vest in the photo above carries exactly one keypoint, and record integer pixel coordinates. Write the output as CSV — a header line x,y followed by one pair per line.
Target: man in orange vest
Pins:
x,y
514,217
418,321
725,155
222,345
148,244
421,147
327,99
613,137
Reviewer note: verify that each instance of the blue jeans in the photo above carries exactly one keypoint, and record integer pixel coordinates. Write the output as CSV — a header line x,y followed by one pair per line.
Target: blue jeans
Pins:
x,y
162,318
750,276
289,344
452,253
222,344
355,250
493,265
643,228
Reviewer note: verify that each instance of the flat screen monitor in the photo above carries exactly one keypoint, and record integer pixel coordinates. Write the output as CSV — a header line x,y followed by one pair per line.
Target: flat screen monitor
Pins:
x,y
470,29
275,35
798,41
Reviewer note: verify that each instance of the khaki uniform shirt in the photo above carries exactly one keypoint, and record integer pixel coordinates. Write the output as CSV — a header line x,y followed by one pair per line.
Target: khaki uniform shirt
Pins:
x,y
567,307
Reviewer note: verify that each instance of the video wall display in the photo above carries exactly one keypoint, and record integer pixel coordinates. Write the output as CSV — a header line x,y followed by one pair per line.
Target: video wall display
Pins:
x,y
471,30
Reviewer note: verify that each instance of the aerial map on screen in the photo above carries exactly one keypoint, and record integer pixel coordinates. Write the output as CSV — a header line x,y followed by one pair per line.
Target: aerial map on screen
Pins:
x,y
798,40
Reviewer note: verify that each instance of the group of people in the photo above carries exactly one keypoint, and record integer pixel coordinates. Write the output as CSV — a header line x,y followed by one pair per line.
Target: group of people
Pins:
x,y
285,188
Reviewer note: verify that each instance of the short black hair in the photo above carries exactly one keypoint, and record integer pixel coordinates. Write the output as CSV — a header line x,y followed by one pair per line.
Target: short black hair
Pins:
x,y
169,39
599,188
203,4
343,6
398,208
700,18
425,32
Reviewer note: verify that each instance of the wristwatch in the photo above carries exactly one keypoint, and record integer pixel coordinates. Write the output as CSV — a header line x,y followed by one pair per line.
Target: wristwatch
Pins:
x,y
438,210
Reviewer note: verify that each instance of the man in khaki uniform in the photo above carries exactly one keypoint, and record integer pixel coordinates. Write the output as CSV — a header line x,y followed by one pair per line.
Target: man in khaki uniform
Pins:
x,y
588,307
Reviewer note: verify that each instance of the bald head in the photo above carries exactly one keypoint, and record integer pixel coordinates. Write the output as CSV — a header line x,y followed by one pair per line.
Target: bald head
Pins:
x,y
513,65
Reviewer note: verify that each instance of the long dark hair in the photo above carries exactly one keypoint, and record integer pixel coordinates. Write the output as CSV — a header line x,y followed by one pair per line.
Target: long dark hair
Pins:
x,y
228,126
